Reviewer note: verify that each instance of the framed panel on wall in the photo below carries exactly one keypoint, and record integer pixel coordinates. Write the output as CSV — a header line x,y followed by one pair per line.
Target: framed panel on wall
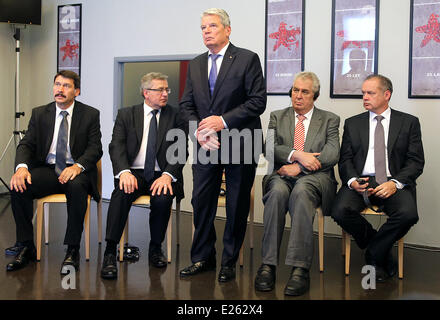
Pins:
x,y
69,38
355,38
284,44
424,55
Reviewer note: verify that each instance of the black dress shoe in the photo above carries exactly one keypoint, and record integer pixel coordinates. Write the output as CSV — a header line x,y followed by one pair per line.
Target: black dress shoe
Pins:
x,y
226,274
298,283
381,274
198,267
71,259
391,265
265,279
109,269
157,259
22,259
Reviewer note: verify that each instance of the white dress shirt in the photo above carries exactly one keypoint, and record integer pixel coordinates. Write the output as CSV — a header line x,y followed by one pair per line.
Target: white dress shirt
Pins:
x,y
306,123
369,168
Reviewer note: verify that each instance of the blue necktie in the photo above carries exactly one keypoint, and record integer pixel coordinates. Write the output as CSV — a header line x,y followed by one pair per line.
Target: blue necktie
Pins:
x,y
60,157
150,156
213,73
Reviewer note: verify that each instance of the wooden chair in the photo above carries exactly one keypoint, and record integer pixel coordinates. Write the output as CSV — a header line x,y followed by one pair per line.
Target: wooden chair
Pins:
x,y
145,201
320,238
222,203
346,244
42,208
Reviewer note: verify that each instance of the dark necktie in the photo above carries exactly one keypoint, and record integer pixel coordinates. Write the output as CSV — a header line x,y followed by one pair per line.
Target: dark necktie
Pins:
x,y
150,155
213,73
379,152
60,157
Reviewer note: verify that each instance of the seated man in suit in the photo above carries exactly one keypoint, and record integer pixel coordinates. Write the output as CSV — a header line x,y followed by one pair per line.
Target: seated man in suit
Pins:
x,y
141,166
381,158
306,147
58,154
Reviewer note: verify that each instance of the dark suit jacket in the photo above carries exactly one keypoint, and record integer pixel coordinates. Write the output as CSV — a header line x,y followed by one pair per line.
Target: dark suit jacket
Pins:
x,y
239,93
322,136
85,139
127,139
405,149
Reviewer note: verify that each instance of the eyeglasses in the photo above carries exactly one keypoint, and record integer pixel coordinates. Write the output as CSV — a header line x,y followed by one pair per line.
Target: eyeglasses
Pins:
x,y
161,90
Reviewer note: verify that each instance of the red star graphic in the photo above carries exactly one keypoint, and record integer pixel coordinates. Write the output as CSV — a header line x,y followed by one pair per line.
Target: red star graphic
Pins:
x,y
70,50
432,30
285,37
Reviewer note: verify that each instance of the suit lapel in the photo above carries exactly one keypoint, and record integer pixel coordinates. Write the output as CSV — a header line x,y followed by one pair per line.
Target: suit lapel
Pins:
x,y
49,125
138,114
204,75
290,120
76,120
315,125
163,125
364,129
393,132
228,59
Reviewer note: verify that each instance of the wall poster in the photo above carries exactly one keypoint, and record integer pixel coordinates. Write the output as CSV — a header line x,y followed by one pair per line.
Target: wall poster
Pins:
x,y
69,38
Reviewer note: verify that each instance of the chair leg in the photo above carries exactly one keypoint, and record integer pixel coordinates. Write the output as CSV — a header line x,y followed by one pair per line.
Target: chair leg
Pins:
x,y
39,227
251,219
99,213
321,239
87,229
169,235
46,222
177,222
241,255
122,242
400,257
347,253
343,242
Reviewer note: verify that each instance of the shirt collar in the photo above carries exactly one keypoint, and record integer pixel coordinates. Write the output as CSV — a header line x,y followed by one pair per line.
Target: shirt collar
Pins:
x,y
148,109
69,109
386,114
308,115
222,51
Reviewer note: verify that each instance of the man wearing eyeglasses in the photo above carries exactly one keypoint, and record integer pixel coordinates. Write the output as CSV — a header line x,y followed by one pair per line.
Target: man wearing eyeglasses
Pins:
x,y
58,154
138,152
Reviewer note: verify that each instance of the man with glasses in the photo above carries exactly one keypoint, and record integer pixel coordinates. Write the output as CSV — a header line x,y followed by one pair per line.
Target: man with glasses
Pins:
x,y
58,154
138,152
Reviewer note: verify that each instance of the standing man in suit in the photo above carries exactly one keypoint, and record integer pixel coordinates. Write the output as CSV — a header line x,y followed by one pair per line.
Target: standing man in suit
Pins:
x,y
224,90
381,158
306,147
142,165
58,154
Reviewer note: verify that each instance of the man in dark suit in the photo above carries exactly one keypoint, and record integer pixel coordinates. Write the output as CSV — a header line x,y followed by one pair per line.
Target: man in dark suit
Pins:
x,y
224,90
305,149
142,164
58,154
381,158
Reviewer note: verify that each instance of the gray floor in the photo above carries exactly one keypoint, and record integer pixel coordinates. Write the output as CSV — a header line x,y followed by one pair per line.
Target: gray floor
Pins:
x,y
137,281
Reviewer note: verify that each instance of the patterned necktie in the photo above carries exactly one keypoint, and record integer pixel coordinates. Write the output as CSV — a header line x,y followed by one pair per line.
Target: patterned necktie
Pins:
x,y
213,73
150,155
60,157
379,152
300,133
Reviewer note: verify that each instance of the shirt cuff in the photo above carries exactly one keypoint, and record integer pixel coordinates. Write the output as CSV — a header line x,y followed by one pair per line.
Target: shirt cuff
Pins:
x,y
224,123
119,174
399,185
169,174
290,156
79,165
350,182
21,165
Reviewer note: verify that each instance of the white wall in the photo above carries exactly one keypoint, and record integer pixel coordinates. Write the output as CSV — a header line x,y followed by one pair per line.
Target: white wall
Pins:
x,y
169,27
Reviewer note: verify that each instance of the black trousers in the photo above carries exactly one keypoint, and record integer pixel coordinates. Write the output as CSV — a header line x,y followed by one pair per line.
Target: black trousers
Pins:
x,y
120,204
402,215
207,180
45,182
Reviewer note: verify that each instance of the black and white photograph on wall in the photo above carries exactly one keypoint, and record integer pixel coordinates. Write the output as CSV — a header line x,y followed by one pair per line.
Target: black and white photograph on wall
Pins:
x,y
354,46
424,58
284,43
69,38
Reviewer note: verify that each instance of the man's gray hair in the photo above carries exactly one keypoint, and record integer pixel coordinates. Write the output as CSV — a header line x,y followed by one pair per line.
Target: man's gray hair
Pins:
x,y
385,83
316,85
148,78
222,14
